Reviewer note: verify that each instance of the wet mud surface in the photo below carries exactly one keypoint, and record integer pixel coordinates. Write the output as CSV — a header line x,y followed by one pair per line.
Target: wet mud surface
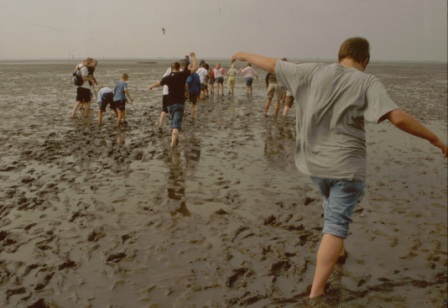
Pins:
x,y
106,217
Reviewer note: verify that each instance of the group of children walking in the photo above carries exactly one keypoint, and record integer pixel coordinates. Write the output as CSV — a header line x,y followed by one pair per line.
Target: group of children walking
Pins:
x,y
335,101
182,81
116,98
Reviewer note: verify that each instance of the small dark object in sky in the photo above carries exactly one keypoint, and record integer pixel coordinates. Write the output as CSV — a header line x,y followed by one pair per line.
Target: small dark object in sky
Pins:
x,y
163,30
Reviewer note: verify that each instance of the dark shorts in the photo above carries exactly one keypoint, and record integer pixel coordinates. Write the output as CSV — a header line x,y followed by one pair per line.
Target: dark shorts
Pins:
x,y
193,98
212,80
83,95
249,81
220,80
121,105
165,103
203,86
107,99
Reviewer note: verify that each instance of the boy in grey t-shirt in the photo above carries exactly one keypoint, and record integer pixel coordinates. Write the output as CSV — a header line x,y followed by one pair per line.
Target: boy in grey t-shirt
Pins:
x,y
333,101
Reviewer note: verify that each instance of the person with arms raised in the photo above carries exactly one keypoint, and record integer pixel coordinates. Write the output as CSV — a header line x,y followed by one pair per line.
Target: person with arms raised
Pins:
x,y
332,103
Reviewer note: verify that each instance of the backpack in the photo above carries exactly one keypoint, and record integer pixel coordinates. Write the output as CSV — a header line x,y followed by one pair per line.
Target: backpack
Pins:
x,y
76,78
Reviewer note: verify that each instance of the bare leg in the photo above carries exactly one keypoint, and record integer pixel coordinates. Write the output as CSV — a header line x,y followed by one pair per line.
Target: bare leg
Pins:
x,y
193,111
120,116
288,104
277,107
174,137
162,119
285,111
268,104
75,108
86,109
100,118
329,251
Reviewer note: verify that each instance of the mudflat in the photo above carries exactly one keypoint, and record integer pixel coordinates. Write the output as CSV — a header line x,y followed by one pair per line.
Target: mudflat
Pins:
x,y
103,217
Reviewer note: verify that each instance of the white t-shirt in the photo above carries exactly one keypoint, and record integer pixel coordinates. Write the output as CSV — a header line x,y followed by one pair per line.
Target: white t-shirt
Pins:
x,y
165,90
332,104
102,91
84,73
249,72
203,73
219,72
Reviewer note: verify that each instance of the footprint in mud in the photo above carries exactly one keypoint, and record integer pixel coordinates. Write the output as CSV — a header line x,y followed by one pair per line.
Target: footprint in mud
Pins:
x,y
96,234
231,197
43,280
242,233
308,201
17,291
67,264
115,258
271,220
280,268
238,279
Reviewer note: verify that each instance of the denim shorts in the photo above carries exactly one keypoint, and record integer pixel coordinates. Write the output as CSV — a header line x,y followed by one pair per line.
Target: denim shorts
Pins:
x,y
176,112
340,198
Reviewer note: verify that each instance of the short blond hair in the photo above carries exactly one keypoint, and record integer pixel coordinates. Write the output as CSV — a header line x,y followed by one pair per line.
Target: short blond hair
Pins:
x,y
124,76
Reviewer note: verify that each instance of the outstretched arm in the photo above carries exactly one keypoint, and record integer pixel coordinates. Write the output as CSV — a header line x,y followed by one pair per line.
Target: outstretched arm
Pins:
x,y
154,85
411,125
194,66
265,63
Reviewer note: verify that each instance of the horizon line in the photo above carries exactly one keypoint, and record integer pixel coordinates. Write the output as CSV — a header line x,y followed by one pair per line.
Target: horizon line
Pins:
x,y
208,58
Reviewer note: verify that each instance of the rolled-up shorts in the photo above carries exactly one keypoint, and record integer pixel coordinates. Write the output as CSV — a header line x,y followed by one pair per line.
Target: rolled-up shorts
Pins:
x,y
340,198
83,95
176,112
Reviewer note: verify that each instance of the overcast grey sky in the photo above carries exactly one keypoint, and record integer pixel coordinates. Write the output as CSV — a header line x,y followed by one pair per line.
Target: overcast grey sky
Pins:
x,y
403,30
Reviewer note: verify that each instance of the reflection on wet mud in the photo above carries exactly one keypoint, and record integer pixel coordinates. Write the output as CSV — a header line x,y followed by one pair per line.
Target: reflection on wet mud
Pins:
x,y
176,179
279,141
177,172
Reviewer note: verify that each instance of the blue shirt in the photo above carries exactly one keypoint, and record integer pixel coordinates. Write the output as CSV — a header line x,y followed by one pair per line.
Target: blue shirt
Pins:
x,y
194,83
119,94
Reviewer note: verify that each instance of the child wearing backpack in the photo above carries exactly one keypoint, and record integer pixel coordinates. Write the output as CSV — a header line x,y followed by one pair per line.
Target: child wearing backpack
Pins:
x,y
83,94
